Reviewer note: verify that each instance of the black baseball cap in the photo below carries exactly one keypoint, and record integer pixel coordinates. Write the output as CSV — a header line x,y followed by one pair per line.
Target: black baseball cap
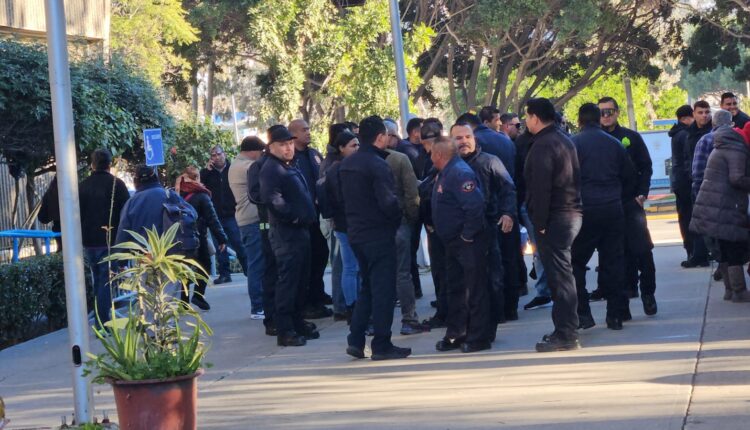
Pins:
x,y
280,134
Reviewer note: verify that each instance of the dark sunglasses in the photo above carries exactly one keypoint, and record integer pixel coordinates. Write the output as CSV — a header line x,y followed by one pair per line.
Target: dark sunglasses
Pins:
x,y
518,126
608,112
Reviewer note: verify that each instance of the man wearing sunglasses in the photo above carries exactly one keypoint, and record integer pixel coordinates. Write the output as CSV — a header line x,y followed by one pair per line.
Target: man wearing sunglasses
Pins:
x,y
639,258
730,103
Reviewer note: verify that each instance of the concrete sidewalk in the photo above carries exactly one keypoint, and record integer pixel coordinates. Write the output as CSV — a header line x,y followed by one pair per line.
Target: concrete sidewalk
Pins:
x,y
687,367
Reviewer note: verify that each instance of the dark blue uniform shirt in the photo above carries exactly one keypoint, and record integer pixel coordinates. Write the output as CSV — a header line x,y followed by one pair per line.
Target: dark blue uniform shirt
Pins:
x,y
498,145
284,191
457,202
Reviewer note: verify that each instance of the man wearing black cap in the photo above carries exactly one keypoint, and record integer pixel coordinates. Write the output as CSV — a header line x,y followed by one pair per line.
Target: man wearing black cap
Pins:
x,y
680,177
283,189
373,217
248,221
102,198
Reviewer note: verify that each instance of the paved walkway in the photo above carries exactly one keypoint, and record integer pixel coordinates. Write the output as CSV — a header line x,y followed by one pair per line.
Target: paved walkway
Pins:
x,y
686,368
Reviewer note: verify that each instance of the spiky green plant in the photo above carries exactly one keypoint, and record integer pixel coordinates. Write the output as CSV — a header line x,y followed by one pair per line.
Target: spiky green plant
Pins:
x,y
161,337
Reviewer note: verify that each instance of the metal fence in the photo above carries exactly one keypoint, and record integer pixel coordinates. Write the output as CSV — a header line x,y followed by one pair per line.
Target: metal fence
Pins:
x,y
10,220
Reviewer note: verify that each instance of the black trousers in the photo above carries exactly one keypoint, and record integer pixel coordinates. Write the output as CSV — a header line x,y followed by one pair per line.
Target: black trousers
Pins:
x,y
203,258
699,248
603,229
509,244
377,297
639,258
436,250
468,317
270,276
495,276
318,261
684,203
554,250
416,235
291,247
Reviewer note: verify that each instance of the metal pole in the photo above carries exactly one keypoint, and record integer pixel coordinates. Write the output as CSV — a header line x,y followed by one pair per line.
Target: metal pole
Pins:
x,y
67,182
398,54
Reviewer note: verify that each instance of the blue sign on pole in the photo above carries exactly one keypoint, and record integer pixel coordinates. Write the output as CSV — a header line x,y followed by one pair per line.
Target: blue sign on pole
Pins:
x,y
153,146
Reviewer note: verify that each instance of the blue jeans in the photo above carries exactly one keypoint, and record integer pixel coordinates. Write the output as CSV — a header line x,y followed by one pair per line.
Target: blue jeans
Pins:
x,y
102,290
350,272
255,264
542,289
236,241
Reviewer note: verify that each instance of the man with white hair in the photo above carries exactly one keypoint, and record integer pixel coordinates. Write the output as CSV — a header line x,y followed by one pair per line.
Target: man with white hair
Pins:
x,y
705,146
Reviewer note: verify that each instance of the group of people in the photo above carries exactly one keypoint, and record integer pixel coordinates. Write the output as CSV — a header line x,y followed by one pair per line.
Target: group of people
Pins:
x,y
711,180
286,211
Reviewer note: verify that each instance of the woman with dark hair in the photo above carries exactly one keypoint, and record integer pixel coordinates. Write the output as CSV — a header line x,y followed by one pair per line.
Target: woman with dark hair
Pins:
x,y
191,189
345,144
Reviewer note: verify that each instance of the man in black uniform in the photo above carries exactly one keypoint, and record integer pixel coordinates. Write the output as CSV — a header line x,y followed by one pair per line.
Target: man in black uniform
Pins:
x,y
730,103
553,187
699,128
605,169
307,161
284,192
680,177
638,245
373,217
499,209
458,214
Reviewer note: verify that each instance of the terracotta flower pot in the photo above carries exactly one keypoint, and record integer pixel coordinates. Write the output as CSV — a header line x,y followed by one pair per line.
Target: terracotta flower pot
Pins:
x,y
168,404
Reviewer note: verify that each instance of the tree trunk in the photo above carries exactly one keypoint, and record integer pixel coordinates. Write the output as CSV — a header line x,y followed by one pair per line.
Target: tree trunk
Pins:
x,y
491,78
30,203
471,93
436,61
209,107
451,81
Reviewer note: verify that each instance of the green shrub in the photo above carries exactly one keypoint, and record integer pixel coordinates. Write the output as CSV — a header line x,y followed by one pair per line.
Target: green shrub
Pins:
x,y
191,144
32,298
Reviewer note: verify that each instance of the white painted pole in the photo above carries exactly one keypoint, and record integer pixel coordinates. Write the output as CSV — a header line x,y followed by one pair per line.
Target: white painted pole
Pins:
x,y
67,182
398,54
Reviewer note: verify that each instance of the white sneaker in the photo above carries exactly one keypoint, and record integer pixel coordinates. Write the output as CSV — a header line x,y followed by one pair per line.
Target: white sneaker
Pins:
x,y
257,315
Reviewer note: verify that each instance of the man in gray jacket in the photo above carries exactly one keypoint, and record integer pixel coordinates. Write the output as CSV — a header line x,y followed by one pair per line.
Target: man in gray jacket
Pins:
x,y
408,198
246,214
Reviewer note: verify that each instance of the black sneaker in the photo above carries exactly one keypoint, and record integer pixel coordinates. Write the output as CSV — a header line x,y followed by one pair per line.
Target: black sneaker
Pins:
x,y
355,351
222,280
468,347
434,322
200,302
291,339
392,354
537,302
649,304
586,322
448,344
413,327
597,295
271,331
316,312
553,342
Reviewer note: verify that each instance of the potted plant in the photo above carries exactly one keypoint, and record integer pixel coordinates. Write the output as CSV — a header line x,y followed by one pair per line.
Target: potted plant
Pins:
x,y
153,356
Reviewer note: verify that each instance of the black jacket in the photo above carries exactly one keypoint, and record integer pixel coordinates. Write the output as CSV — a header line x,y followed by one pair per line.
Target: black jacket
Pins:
x,y
207,218
497,144
95,196
553,177
605,167
496,185
221,195
335,196
369,190
284,191
740,119
694,135
308,163
639,156
523,144
680,176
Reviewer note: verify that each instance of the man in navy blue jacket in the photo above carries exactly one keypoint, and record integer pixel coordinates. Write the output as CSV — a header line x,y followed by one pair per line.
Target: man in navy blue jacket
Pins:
x,y
459,219
605,171
491,141
284,192
373,216
500,213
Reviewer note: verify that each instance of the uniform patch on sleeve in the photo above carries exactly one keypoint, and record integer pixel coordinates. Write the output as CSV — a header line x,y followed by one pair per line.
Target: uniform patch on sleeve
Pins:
x,y
468,186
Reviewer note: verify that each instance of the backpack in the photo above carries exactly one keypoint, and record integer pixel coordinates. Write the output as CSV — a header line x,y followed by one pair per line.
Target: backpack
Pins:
x,y
178,211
